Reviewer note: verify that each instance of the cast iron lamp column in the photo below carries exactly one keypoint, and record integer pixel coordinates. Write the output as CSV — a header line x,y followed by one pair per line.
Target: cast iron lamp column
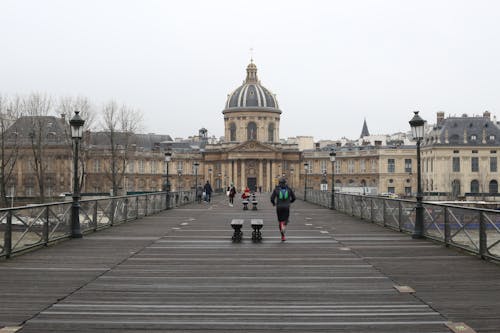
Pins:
x,y
76,124
196,164
166,188
417,129
332,159
306,169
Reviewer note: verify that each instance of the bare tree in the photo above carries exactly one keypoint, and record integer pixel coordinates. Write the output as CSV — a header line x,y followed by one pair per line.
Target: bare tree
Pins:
x,y
9,148
37,107
66,108
119,125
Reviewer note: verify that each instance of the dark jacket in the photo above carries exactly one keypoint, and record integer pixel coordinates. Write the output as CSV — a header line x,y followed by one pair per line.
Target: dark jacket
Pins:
x,y
207,188
286,198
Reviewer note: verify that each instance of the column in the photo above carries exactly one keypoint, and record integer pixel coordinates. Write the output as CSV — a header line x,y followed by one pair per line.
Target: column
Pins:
x,y
268,182
243,180
261,178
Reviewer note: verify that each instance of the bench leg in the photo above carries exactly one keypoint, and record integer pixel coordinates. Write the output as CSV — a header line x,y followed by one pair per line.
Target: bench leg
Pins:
x,y
237,235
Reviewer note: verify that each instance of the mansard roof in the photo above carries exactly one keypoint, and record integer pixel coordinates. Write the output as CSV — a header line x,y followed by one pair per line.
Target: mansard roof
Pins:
x,y
464,131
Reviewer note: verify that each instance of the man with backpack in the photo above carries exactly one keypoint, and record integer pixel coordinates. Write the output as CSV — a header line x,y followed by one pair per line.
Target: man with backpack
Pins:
x,y
282,197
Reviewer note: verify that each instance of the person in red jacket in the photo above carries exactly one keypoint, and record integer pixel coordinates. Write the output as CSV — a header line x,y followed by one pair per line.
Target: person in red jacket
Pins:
x,y
246,194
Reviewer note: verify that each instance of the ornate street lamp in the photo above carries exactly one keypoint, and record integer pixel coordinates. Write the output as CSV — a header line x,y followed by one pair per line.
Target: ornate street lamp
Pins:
x,y
333,154
166,186
417,125
179,174
76,124
306,169
196,164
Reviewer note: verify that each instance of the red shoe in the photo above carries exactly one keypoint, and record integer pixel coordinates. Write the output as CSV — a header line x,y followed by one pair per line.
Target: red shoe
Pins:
x,y
283,238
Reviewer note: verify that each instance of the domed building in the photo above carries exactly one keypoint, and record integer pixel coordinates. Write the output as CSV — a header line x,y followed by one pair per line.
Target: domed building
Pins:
x,y
251,153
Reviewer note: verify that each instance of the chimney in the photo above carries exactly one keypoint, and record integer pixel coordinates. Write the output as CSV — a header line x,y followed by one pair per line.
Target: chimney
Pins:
x,y
439,118
487,115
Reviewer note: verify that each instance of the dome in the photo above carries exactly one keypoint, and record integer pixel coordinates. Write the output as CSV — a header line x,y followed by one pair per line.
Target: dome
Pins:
x,y
251,94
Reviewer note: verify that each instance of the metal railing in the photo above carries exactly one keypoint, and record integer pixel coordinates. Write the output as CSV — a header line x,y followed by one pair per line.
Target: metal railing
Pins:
x,y
26,227
476,230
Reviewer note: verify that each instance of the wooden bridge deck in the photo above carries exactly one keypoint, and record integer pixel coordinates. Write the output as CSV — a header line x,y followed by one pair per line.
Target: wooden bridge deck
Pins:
x,y
178,271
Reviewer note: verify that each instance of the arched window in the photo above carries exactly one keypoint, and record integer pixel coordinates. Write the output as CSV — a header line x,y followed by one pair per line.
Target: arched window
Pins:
x,y
474,186
455,188
493,187
251,131
232,132
270,133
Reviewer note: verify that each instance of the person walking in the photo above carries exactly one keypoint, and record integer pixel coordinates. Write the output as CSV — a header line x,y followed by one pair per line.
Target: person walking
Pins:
x,y
199,193
282,197
208,191
232,193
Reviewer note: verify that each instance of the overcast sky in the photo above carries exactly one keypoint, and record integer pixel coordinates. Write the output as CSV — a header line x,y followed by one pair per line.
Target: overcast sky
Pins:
x,y
330,63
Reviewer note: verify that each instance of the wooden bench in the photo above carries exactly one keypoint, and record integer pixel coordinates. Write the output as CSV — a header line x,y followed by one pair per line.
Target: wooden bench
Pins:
x,y
237,225
257,224
245,204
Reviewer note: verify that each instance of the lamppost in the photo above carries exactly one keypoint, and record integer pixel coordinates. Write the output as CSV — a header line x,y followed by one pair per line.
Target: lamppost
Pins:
x,y
166,187
333,154
76,124
306,169
417,129
179,174
196,164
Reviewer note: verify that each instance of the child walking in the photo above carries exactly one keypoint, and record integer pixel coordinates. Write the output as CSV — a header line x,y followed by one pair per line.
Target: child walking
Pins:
x,y
282,197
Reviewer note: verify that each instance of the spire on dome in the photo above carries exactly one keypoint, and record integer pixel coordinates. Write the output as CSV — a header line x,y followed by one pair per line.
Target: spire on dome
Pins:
x,y
364,131
251,73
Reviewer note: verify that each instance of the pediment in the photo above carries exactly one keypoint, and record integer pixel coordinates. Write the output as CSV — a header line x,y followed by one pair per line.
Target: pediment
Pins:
x,y
252,146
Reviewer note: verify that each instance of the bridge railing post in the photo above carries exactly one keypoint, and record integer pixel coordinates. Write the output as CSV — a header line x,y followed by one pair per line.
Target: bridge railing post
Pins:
x,y
483,242
447,231
7,237
46,226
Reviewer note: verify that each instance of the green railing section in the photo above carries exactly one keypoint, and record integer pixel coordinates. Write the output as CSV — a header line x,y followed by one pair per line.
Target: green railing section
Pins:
x,y
476,230
26,227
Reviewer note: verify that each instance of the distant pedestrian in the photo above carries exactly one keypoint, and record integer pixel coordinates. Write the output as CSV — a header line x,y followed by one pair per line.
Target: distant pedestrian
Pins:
x,y
208,191
246,194
199,193
232,193
282,197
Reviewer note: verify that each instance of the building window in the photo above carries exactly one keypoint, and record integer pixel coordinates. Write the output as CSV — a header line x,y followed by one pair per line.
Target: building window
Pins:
x,y
391,165
232,132
493,164
493,187
323,166
29,191
474,164
97,165
141,166
408,165
180,165
391,189
474,186
338,166
408,191
456,164
473,138
350,166
362,166
131,166
491,138
374,166
270,133
252,131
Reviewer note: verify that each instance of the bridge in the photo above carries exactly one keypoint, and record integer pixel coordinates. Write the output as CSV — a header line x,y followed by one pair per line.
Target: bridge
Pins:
x,y
177,270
